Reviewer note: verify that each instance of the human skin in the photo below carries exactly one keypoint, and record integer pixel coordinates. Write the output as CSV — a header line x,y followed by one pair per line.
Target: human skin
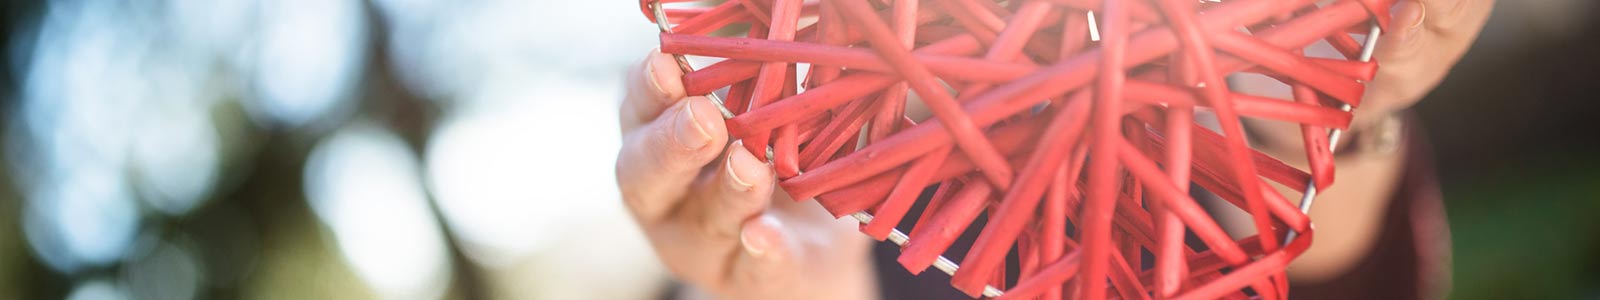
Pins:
x,y
714,217
711,210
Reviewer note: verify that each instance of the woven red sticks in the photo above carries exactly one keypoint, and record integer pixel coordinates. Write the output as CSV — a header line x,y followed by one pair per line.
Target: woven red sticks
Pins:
x,y
1069,123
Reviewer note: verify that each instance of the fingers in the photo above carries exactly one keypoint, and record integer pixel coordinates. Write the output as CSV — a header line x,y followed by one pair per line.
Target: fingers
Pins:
x,y
766,260
741,190
656,84
660,159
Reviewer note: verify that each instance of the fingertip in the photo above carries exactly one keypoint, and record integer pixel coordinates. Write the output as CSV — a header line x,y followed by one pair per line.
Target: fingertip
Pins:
x,y
708,117
657,85
762,238
739,192
1400,42
745,171
688,129
683,138
1411,14
664,76
765,263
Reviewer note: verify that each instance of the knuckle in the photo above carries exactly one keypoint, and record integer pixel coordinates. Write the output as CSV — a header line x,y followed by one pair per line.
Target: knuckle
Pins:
x,y
767,278
633,172
632,201
1399,52
635,201
744,204
715,227
673,155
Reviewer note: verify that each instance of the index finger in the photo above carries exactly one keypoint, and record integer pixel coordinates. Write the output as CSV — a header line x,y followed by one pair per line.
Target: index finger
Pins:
x,y
655,84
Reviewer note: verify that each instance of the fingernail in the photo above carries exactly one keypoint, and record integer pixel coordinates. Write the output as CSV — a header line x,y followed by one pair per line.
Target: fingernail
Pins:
x,y
650,72
737,183
1421,10
755,245
689,131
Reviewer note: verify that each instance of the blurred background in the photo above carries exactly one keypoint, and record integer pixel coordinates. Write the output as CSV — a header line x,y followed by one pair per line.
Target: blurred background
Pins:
x,y
427,149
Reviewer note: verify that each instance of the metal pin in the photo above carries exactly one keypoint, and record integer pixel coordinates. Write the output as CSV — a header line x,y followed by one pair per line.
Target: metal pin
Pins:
x,y
941,263
1094,27
1333,135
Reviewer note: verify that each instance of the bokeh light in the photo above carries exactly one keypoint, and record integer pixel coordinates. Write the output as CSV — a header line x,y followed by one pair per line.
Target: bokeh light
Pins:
x,y
310,54
164,269
364,183
97,290
449,51
107,115
86,219
507,197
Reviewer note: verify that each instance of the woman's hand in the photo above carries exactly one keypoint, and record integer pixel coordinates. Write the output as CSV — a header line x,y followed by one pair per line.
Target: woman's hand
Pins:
x,y
1425,40
714,219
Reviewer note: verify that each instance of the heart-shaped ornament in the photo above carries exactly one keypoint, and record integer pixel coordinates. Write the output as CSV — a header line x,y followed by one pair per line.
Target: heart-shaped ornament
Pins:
x,y
1070,124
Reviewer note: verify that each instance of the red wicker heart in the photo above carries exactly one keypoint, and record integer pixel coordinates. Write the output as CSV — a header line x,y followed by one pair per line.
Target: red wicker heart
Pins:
x,y
1080,149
